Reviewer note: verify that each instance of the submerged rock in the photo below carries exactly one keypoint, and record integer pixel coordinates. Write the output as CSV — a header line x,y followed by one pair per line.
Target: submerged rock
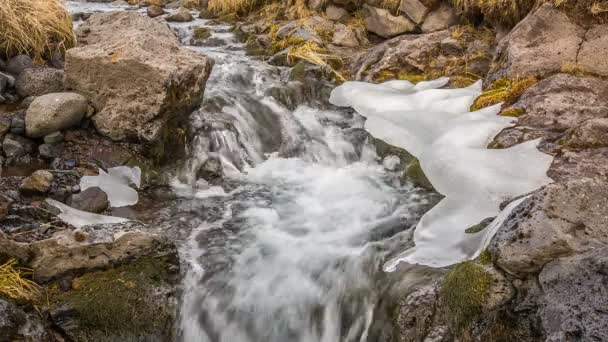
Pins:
x,y
54,112
136,75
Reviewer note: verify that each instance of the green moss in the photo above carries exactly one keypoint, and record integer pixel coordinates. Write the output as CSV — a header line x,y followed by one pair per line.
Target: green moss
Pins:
x,y
415,174
201,32
463,293
480,226
513,112
118,304
485,258
505,90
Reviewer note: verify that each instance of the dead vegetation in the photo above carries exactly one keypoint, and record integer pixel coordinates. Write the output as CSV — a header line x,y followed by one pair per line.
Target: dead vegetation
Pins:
x,y
39,28
504,90
14,285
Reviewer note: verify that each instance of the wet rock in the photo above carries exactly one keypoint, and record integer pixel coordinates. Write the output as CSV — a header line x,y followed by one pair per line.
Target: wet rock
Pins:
x,y
525,52
574,297
6,81
93,200
15,146
415,314
211,170
440,19
54,112
129,103
17,64
154,11
384,24
48,151
562,219
415,10
66,253
12,318
182,15
17,125
336,13
39,81
344,36
38,183
53,138
592,133
594,45
206,14
254,47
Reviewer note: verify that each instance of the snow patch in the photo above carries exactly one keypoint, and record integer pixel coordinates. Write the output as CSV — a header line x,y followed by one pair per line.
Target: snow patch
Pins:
x,y
437,127
79,218
116,183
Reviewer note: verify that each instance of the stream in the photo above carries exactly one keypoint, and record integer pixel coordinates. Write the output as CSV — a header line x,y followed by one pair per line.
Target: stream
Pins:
x,y
286,239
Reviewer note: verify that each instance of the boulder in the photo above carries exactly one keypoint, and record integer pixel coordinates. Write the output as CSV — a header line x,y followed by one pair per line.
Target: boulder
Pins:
x,y
440,19
592,133
414,9
93,200
136,75
539,45
182,15
384,24
39,81
344,36
560,220
336,13
38,183
17,64
155,11
54,112
574,296
592,50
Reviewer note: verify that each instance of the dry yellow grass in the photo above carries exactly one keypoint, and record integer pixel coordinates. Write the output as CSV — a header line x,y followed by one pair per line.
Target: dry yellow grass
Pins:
x,y
13,285
504,12
233,6
504,90
36,27
313,53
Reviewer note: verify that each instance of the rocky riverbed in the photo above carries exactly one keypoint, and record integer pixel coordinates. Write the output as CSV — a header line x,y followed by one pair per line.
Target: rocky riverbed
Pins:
x,y
264,213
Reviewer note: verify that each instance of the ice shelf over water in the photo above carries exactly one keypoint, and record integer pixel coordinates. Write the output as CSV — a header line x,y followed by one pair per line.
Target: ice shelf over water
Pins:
x,y
116,183
436,126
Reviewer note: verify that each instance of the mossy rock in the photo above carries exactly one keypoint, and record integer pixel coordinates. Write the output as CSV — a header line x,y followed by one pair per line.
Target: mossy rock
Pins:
x,y
480,226
134,302
463,294
415,174
253,47
201,32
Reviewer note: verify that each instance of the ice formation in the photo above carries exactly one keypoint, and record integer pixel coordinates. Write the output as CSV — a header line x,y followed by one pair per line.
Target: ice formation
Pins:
x,y
79,218
116,183
436,126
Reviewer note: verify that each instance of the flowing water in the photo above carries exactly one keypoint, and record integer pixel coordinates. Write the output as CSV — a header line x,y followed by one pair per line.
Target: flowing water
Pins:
x,y
288,245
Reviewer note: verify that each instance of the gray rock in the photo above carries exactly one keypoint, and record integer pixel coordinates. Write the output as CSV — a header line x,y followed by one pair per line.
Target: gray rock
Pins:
x,y
440,19
525,52
26,102
415,10
5,206
12,318
6,81
592,50
182,15
53,138
384,24
336,13
39,81
54,112
17,125
575,297
48,151
15,146
93,200
451,46
38,183
211,170
592,133
562,219
154,11
344,36
5,126
17,64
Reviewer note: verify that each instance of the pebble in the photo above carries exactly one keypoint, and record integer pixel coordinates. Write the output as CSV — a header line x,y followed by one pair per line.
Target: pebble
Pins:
x,y
53,138
17,126
48,151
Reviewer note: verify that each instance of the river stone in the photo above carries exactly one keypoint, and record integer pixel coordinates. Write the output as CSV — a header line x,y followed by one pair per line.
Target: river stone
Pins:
x,y
93,200
155,11
37,183
39,81
136,75
15,146
440,19
182,15
525,52
53,138
560,220
54,112
18,64
384,24
17,125
48,151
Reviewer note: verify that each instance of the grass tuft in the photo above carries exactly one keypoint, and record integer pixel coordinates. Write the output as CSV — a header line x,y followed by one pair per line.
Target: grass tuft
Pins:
x,y
501,12
313,53
14,285
38,28
234,6
504,90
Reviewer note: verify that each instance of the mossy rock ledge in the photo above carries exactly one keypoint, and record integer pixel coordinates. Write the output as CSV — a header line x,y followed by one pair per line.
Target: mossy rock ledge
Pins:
x,y
132,302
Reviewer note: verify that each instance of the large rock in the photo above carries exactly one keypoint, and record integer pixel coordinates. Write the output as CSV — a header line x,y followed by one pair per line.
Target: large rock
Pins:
x,y
39,81
136,75
72,252
18,64
592,50
415,10
558,221
541,44
54,112
440,19
384,24
592,133
92,200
